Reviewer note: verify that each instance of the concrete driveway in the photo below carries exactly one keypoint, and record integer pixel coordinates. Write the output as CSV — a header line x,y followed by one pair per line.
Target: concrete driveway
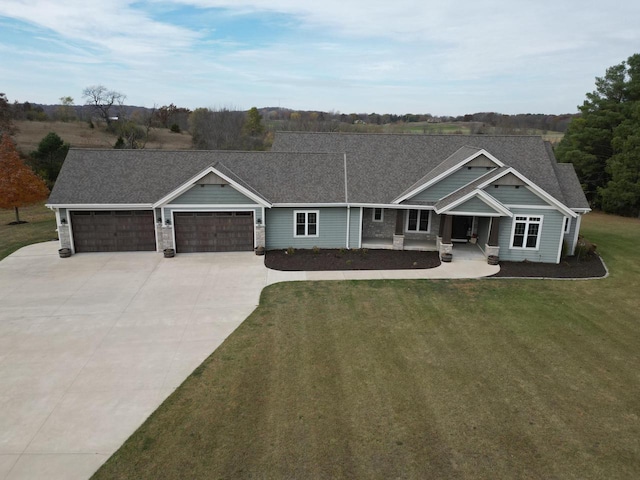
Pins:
x,y
91,345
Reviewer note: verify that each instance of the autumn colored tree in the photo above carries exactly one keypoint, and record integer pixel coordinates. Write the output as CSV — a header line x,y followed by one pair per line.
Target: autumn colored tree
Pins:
x,y
19,186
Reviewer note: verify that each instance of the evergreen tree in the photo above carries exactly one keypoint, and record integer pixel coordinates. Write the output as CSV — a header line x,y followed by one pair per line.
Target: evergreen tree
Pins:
x,y
600,143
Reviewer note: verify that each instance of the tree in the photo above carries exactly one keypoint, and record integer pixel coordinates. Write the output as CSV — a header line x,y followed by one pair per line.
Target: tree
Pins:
x,y
253,126
47,160
101,99
65,109
595,143
216,129
19,186
6,116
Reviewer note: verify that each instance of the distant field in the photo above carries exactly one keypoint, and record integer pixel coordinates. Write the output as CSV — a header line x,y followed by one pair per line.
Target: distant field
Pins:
x,y
79,135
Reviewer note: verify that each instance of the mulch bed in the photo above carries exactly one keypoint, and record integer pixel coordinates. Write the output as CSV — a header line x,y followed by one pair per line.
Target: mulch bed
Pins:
x,y
324,260
329,259
570,267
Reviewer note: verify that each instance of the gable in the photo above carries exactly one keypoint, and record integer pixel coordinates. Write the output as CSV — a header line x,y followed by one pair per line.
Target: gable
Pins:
x,y
475,206
482,161
509,194
449,184
212,194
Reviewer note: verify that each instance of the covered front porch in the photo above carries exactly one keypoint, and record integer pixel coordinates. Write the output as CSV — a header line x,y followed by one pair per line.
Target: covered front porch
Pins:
x,y
465,235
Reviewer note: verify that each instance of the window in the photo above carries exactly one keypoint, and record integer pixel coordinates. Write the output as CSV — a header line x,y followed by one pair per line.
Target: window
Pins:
x,y
418,221
526,232
378,214
305,223
567,223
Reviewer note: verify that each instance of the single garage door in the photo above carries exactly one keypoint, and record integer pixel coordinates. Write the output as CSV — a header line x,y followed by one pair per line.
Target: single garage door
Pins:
x,y
213,231
113,230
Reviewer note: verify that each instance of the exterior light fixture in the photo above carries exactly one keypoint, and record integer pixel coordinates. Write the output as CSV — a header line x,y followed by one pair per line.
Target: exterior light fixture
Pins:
x,y
63,221
167,222
259,221
159,220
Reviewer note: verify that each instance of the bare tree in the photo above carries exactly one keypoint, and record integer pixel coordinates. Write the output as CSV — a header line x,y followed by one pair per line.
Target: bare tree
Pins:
x,y
216,129
102,100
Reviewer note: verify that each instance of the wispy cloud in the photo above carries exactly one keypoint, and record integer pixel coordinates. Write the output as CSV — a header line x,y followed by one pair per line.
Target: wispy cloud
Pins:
x,y
356,55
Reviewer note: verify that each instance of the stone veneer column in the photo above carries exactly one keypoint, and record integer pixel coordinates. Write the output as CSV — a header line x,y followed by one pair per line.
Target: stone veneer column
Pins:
x,y
398,236
261,240
492,247
65,236
444,241
167,237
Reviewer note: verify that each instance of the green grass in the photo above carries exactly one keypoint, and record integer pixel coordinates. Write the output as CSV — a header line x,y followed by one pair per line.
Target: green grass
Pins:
x,y
40,227
495,379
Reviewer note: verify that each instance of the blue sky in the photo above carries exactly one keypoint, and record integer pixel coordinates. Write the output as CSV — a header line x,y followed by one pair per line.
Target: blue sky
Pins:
x,y
401,56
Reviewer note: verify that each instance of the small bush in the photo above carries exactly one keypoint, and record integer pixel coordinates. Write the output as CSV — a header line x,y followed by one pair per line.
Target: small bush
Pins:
x,y
175,128
585,248
315,249
290,251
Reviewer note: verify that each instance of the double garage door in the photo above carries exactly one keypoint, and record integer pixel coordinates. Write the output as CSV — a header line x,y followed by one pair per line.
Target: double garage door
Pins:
x,y
113,230
213,231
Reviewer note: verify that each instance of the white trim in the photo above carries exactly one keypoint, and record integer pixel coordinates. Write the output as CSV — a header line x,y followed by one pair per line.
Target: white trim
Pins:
x,y
575,234
537,207
155,229
71,239
391,206
264,222
309,205
360,228
373,214
481,195
562,234
532,187
211,205
448,172
306,223
566,226
191,182
102,206
422,232
581,210
348,225
526,231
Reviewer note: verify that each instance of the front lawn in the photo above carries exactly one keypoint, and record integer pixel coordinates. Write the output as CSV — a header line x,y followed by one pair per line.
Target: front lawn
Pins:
x,y
495,379
40,227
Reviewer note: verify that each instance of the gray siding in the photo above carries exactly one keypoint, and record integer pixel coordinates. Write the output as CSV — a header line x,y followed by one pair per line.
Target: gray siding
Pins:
x,y
474,205
450,184
550,231
332,229
510,195
354,228
212,194
569,236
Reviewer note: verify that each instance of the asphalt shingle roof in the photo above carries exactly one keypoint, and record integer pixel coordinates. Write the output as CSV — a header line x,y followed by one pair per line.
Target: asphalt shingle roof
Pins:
x,y
382,166
379,167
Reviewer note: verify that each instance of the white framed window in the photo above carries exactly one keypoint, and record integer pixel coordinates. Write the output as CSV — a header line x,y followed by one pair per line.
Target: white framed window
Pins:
x,y
567,224
418,221
378,214
305,223
525,233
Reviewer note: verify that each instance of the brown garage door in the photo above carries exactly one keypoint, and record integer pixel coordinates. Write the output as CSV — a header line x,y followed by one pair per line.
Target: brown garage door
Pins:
x,y
213,231
113,231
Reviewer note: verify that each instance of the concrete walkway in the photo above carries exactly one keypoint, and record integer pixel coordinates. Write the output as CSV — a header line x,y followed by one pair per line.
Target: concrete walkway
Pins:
x,y
91,345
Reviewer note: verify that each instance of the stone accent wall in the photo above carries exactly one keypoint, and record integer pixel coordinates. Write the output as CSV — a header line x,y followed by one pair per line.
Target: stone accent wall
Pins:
x,y
384,229
64,235
489,250
260,236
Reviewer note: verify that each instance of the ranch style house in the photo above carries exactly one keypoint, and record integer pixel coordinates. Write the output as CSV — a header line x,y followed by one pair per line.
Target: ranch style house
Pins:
x,y
506,194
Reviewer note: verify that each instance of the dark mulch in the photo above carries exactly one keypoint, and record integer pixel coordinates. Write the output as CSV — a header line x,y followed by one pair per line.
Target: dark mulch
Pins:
x,y
570,267
308,260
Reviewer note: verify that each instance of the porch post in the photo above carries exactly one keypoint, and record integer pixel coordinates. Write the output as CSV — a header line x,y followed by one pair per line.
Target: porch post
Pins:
x,y
493,233
492,248
448,225
398,236
445,247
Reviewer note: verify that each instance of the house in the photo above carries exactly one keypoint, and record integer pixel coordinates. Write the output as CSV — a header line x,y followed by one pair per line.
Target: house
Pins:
x,y
329,190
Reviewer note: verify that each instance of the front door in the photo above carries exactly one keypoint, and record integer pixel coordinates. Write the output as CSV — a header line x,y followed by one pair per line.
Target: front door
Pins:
x,y
461,229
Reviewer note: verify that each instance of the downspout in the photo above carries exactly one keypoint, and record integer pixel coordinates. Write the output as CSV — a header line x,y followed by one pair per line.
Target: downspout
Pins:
x,y
346,200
